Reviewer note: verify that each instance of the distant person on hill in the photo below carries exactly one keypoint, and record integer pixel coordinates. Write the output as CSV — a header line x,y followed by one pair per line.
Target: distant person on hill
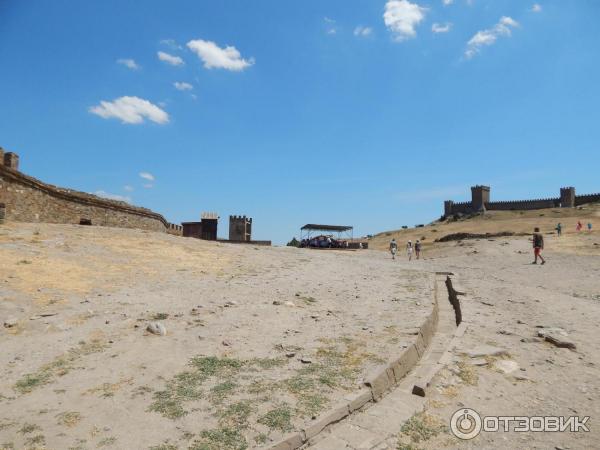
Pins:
x,y
578,227
559,229
393,248
418,248
538,246
409,250
589,226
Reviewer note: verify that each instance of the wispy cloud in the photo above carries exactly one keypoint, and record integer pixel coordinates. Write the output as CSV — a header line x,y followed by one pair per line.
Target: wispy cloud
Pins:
x,y
215,57
183,86
536,8
148,186
401,17
447,2
362,31
171,43
109,196
131,110
488,37
129,63
147,176
170,59
439,28
128,188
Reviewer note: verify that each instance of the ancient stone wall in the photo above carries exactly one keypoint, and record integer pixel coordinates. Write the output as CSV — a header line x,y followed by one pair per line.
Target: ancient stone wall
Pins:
x,y
523,205
30,200
583,199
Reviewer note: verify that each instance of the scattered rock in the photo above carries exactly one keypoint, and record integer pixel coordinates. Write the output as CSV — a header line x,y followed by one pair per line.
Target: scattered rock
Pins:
x,y
230,304
156,328
485,350
226,343
530,340
276,302
305,360
290,354
314,316
195,312
560,343
289,304
506,365
10,322
479,362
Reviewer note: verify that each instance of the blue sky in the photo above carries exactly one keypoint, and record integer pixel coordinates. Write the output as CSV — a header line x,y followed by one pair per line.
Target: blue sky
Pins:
x,y
344,112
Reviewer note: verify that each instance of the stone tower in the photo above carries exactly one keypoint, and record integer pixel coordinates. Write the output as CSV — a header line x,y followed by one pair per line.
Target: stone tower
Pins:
x,y
448,205
480,196
240,228
567,197
9,159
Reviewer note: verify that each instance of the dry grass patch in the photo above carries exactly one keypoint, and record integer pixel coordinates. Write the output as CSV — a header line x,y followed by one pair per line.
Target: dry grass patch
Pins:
x,y
59,367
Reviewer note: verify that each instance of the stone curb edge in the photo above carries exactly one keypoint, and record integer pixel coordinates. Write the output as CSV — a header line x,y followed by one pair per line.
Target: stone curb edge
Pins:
x,y
375,385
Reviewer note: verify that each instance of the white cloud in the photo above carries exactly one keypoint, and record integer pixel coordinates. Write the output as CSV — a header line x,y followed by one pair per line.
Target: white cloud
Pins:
x,y
110,196
447,2
215,57
328,20
130,110
129,63
170,59
489,36
401,17
128,188
171,43
536,8
331,31
147,176
439,28
183,86
362,31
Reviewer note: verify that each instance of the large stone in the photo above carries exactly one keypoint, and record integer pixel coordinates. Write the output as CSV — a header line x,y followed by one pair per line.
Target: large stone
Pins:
x,y
335,414
156,328
506,365
289,442
10,322
485,350
379,382
358,399
404,363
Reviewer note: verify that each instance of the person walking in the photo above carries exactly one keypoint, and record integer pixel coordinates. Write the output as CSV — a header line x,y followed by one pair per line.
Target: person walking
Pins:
x,y
578,227
393,248
409,250
589,226
418,248
559,229
538,246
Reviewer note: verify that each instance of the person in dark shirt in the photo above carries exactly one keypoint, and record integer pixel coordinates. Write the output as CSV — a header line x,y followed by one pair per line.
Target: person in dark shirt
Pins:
x,y
418,249
538,246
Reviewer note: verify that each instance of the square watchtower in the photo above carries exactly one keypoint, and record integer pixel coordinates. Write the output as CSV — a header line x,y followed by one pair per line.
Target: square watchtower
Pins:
x,y
240,228
480,196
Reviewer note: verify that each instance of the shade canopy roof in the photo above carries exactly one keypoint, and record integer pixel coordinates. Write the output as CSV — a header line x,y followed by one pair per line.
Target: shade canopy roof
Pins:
x,y
317,227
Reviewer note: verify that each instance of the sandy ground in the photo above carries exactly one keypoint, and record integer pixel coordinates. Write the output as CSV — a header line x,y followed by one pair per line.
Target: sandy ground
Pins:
x,y
508,301
259,340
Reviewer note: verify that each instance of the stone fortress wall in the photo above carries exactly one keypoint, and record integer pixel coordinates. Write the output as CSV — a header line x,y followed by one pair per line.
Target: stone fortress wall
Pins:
x,y
480,201
26,199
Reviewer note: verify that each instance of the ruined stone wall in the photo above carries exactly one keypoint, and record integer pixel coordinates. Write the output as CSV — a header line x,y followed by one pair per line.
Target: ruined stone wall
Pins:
x,y
30,200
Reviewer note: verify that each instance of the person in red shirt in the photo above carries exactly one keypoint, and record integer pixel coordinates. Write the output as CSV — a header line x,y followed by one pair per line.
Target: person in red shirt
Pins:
x,y
538,246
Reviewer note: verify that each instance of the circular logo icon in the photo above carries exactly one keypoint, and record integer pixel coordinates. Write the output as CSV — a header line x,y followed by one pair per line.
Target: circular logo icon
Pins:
x,y
465,423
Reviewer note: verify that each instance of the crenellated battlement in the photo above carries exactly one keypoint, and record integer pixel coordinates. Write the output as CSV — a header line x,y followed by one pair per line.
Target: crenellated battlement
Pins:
x,y
480,201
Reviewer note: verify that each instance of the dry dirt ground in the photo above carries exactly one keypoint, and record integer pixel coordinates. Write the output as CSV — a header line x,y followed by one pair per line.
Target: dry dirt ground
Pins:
x,y
258,341
508,301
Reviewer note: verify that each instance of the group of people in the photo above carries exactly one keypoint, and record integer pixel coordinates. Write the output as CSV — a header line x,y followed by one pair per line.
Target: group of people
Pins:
x,y
410,249
578,227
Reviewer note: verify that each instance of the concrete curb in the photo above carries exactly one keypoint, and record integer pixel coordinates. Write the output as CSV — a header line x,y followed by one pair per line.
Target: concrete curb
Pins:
x,y
375,385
